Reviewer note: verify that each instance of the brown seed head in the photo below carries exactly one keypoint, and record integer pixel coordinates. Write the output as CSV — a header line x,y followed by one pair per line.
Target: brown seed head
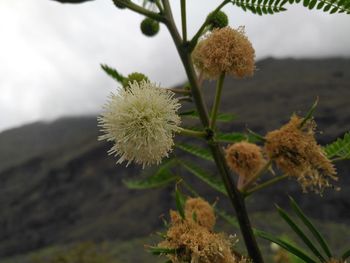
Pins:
x,y
245,158
196,243
225,50
296,152
201,211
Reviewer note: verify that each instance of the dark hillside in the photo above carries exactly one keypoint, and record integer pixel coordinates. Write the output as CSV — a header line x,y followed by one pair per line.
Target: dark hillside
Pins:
x,y
58,185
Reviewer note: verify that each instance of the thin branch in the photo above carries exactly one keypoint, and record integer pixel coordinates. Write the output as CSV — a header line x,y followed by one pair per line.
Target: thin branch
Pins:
x,y
192,133
217,100
256,176
140,10
265,184
194,40
183,20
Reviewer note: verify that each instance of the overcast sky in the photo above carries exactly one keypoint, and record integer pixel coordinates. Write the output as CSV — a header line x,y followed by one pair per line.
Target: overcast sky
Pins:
x,y
50,53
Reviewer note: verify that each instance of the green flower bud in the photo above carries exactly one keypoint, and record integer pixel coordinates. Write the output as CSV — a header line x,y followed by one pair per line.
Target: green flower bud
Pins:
x,y
218,20
149,27
119,5
135,76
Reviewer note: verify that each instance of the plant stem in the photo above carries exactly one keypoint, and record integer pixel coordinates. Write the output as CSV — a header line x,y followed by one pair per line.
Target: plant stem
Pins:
x,y
185,98
139,9
160,8
191,133
236,198
265,184
183,20
256,176
217,100
181,91
194,40
340,159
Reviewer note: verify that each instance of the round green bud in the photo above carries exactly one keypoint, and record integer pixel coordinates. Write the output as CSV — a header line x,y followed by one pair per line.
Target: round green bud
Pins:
x,y
119,4
217,20
135,76
149,27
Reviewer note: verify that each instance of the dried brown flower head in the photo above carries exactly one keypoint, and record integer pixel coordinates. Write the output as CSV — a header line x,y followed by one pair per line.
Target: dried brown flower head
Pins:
x,y
201,212
296,152
195,243
225,50
244,158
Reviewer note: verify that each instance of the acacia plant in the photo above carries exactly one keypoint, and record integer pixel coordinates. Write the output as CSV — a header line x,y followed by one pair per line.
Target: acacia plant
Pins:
x,y
141,119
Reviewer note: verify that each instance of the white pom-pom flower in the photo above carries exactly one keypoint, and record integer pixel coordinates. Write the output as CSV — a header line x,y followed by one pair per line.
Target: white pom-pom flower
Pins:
x,y
141,121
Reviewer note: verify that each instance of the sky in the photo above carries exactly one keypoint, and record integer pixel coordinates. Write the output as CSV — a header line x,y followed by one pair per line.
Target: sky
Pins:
x,y
50,53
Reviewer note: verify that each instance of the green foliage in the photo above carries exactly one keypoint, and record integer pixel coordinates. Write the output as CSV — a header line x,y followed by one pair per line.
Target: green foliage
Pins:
x,y
222,117
209,179
113,73
340,149
309,114
135,76
161,250
265,7
311,227
286,245
255,137
310,243
180,202
163,176
261,7
300,233
346,255
228,218
233,137
197,151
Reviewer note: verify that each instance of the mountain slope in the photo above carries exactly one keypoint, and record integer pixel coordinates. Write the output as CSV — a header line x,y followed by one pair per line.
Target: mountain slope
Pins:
x,y
58,185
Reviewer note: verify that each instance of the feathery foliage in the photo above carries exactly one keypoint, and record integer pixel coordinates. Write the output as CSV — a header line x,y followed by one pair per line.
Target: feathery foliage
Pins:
x,y
113,73
222,117
196,151
270,7
163,176
209,179
340,149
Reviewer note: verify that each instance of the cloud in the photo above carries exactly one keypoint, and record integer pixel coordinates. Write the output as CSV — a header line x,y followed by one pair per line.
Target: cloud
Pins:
x,y
50,53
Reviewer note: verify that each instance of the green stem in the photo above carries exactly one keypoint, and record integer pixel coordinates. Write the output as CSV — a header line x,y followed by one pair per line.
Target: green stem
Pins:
x,y
340,159
160,8
236,198
256,176
265,184
191,133
185,98
217,100
181,91
140,10
194,40
183,20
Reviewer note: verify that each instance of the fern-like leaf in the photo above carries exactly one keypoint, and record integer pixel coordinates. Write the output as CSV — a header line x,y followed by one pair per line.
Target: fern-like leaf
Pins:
x,y
209,179
162,177
286,245
340,149
196,151
270,7
113,73
222,117
266,7
231,137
